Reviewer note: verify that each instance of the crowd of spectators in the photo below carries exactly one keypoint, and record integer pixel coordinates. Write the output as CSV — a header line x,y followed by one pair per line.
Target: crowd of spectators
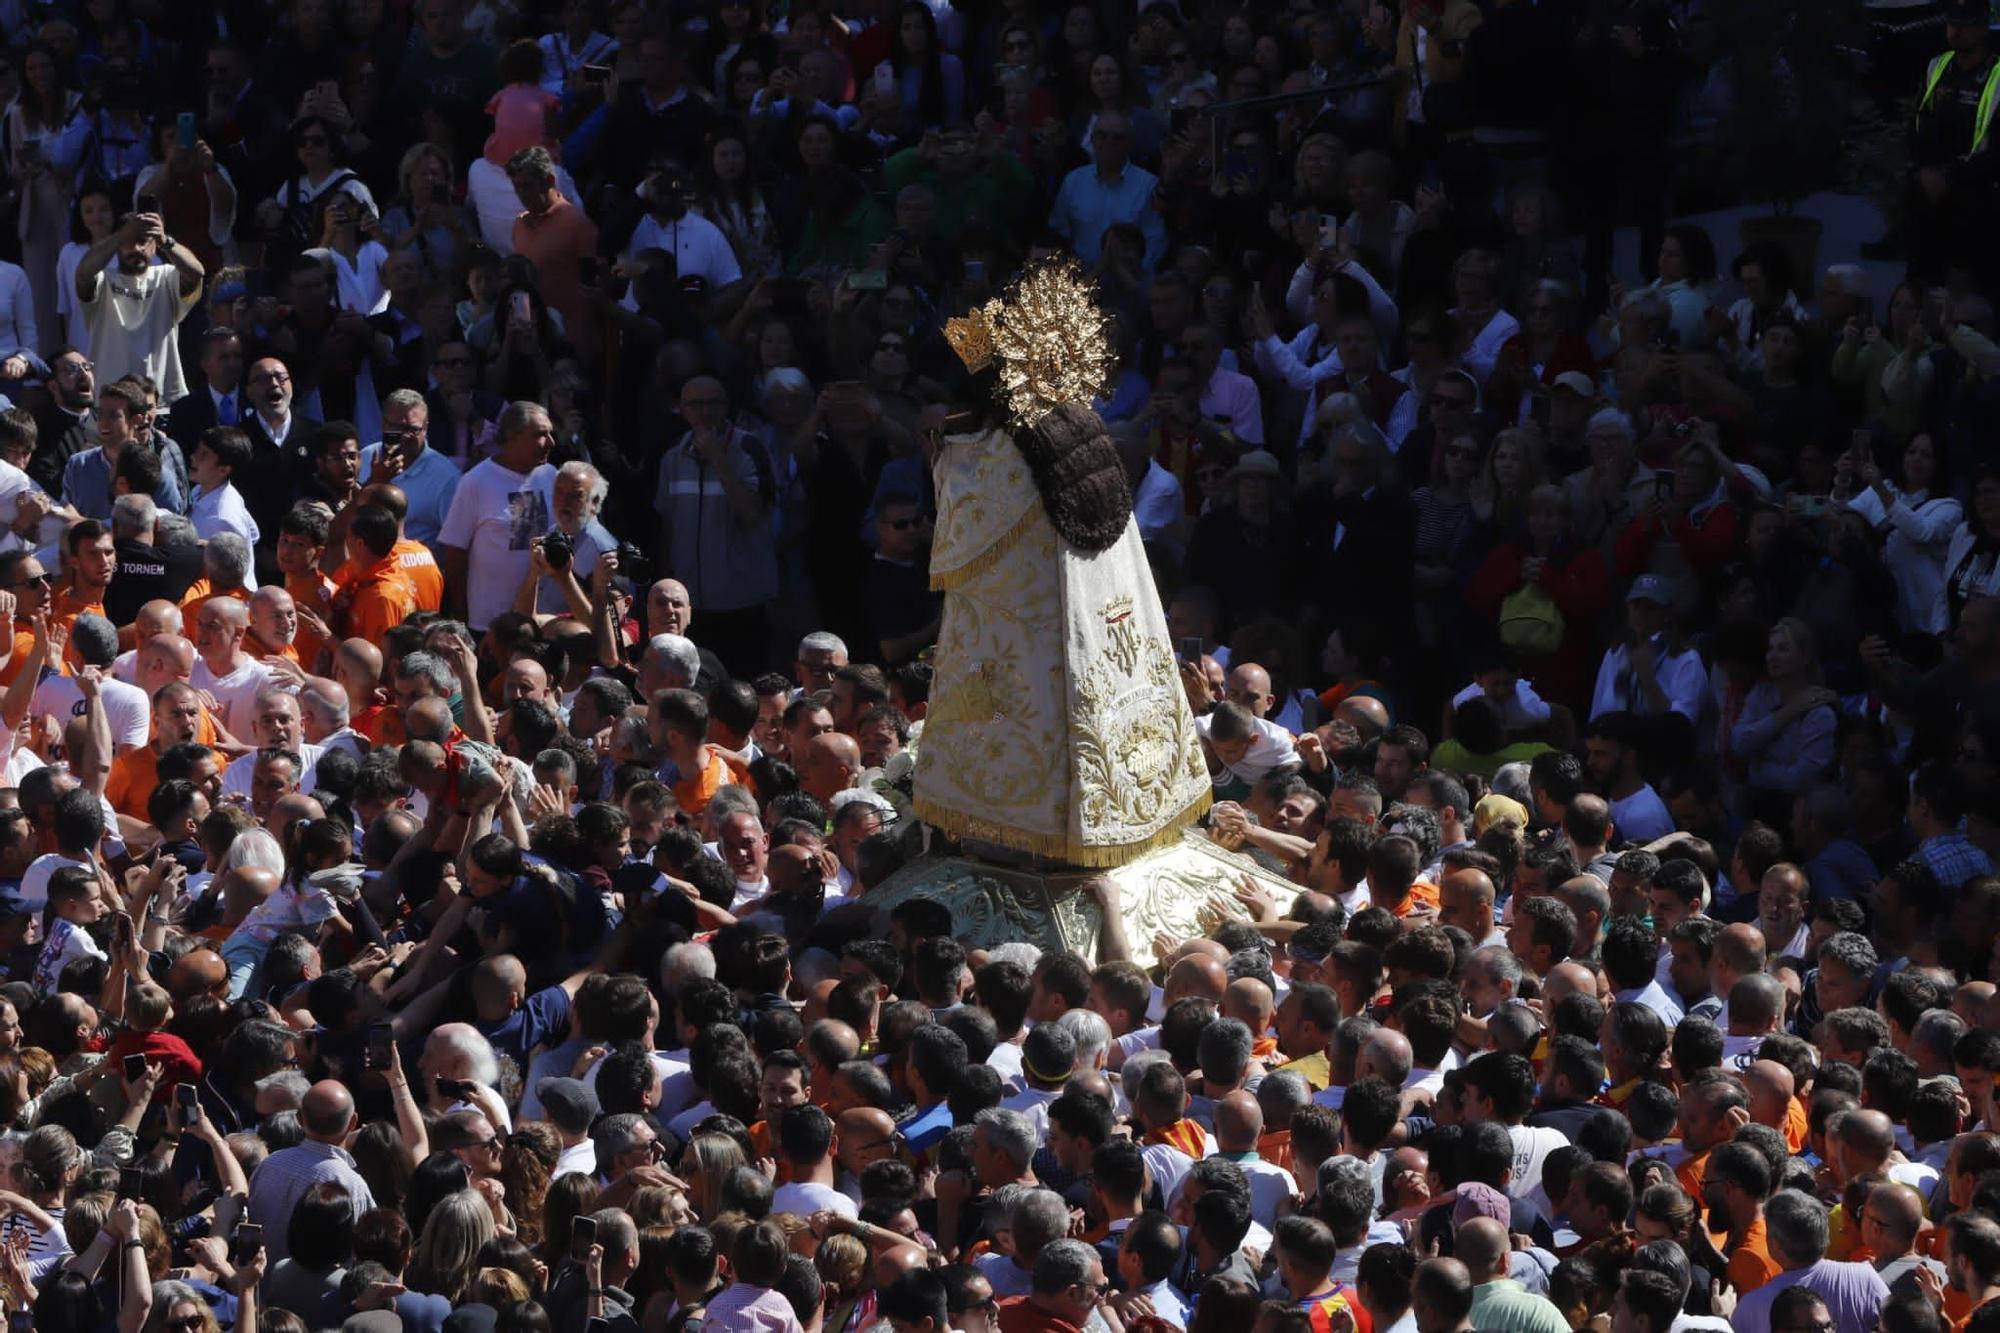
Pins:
x,y
463,519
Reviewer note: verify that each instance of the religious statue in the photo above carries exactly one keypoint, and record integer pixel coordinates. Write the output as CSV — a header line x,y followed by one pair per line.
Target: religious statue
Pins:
x,y
1057,722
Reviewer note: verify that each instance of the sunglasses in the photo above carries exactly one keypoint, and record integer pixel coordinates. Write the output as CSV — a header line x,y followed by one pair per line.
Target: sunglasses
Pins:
x,y
43,580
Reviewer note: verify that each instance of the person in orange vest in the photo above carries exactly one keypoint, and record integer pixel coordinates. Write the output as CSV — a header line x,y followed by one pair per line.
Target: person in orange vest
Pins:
x,y
694,769
413,557
379,593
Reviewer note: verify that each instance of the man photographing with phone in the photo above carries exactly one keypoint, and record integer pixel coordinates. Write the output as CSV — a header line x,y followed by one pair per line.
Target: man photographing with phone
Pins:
x,y
133,307
404,456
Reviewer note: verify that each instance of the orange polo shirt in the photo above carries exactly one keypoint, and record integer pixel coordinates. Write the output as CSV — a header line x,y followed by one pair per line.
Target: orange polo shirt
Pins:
x,y
1751,1264
201,590
1691,1173
418,565
314,592
134,775
380,723
1797,1129
694,792
1423,896
24,643
64,607
380,598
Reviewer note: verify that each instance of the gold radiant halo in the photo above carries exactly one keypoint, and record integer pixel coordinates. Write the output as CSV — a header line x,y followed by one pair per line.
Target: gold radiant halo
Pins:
x,y
1051,340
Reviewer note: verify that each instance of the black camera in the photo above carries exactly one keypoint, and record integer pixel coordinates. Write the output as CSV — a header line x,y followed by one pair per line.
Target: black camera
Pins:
x,y
632,563
558,549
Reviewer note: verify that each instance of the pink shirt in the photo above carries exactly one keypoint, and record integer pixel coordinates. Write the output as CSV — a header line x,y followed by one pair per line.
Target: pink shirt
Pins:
x,y
522,114
745,1309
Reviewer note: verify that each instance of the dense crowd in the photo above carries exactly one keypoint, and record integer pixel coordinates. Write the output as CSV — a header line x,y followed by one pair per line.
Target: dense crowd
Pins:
x,y
464,501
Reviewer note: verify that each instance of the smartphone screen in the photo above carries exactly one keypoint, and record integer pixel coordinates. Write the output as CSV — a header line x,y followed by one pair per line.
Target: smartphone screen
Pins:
x,y
131,1180
184,129
1191,650
189,1103
248,1240
146,203
582,1235
135,1068
380,1052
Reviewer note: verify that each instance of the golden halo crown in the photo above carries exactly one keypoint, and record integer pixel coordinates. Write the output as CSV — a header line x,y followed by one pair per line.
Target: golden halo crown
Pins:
x,y
1051,341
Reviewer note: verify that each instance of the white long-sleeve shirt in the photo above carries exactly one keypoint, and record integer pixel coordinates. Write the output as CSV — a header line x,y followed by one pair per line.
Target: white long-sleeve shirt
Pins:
x,y
1920,528
1381,306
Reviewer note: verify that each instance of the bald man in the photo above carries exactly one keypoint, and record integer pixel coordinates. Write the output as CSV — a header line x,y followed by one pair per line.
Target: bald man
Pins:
x,y
1249,1001
1250,685
1386,1055
357,665
669,609
1499,1302
1365,713
1239,1124
327,1116
274,624
1890,1222
511,1019
1774,1101
1739,952
197,973
1465,900
862,1136
831,764
158,616
276,724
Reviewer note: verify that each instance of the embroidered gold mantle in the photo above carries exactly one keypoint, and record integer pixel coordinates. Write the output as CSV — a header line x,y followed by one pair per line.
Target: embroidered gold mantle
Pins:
x,y
1057,722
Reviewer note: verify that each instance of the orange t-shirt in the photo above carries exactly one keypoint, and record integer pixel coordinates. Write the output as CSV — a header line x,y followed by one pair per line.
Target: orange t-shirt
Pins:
x,y
313,592
64,607
24,643
200,591
1751,1264
1796,1127
694,793
134,775
419,566
1691,1173
1423,896
379,599
380,723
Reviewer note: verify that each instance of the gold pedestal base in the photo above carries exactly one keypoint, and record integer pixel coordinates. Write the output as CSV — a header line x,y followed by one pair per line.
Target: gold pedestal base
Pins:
x,y
1172,893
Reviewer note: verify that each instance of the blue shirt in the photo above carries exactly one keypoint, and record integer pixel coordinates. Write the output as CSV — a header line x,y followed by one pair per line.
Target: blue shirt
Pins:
x,y
923,1130
429,483
1842,870
542,1016
86,486
1087,204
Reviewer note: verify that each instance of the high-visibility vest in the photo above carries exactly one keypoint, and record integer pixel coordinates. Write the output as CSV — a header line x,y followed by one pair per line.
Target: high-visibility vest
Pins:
x,y
1989,96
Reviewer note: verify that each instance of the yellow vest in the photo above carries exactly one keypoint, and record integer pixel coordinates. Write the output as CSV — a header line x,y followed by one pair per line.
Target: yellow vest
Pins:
x,y
1983,117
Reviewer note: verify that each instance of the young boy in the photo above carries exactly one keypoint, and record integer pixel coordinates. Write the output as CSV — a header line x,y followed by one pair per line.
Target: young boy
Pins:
x,y
74,905
176,808
218,506
749,1305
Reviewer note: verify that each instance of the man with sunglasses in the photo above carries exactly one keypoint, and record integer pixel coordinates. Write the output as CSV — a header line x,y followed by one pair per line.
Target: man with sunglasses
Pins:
x,y
903,610
24,591
1069,1285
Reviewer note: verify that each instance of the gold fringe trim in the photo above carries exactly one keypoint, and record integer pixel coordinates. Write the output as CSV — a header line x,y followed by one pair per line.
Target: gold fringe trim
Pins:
x,y
1059,846
952,579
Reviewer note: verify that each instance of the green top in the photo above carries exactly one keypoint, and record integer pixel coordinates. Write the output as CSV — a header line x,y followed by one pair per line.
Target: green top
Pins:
x,y
995,194
1505,1306
844,246
1452,757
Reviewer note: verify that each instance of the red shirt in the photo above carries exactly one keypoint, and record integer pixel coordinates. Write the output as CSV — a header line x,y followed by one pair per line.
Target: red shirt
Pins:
x,y
1020,1314
159,1048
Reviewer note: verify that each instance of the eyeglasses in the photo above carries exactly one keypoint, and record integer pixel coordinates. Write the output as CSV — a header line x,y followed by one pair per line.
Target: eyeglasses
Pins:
x,y
272,377
44,580
74,367
191,1324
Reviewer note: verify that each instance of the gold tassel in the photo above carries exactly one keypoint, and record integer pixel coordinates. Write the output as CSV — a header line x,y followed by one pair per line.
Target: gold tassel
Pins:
x,y
952,579
1060,846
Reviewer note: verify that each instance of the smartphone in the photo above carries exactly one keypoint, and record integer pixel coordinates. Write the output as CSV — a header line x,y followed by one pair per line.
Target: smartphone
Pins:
x,y
381,1047
885,78
450,1087
1663,483
121,930
184,130
867,279
975,270
243,1246
21,1321
131,1182
598,74
1538,409
146,203
521,310
1191,650
135,1068
188,1102
328,90
582,1235
589,268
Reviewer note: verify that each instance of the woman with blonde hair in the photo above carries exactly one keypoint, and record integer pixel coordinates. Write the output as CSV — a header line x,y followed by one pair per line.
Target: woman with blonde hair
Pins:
x,y
706,1164
842,1263
1785,732
1515,466
447,1253
423,217
498,1287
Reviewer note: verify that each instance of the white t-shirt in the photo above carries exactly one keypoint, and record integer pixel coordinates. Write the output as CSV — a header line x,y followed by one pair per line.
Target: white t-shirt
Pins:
x,y
699,248
35,881
134,321
125,707
14,484
492,518
66,943
1642,816
236,777
806,1198
236,692
1531,1148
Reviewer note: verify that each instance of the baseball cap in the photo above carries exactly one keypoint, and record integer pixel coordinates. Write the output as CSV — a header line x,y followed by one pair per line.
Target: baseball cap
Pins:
x,y
1576,382
1654,588
570,1103
1476,1200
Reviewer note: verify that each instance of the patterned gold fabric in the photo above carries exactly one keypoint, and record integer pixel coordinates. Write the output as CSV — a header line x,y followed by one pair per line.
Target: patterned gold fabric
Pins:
x,y
1057,723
